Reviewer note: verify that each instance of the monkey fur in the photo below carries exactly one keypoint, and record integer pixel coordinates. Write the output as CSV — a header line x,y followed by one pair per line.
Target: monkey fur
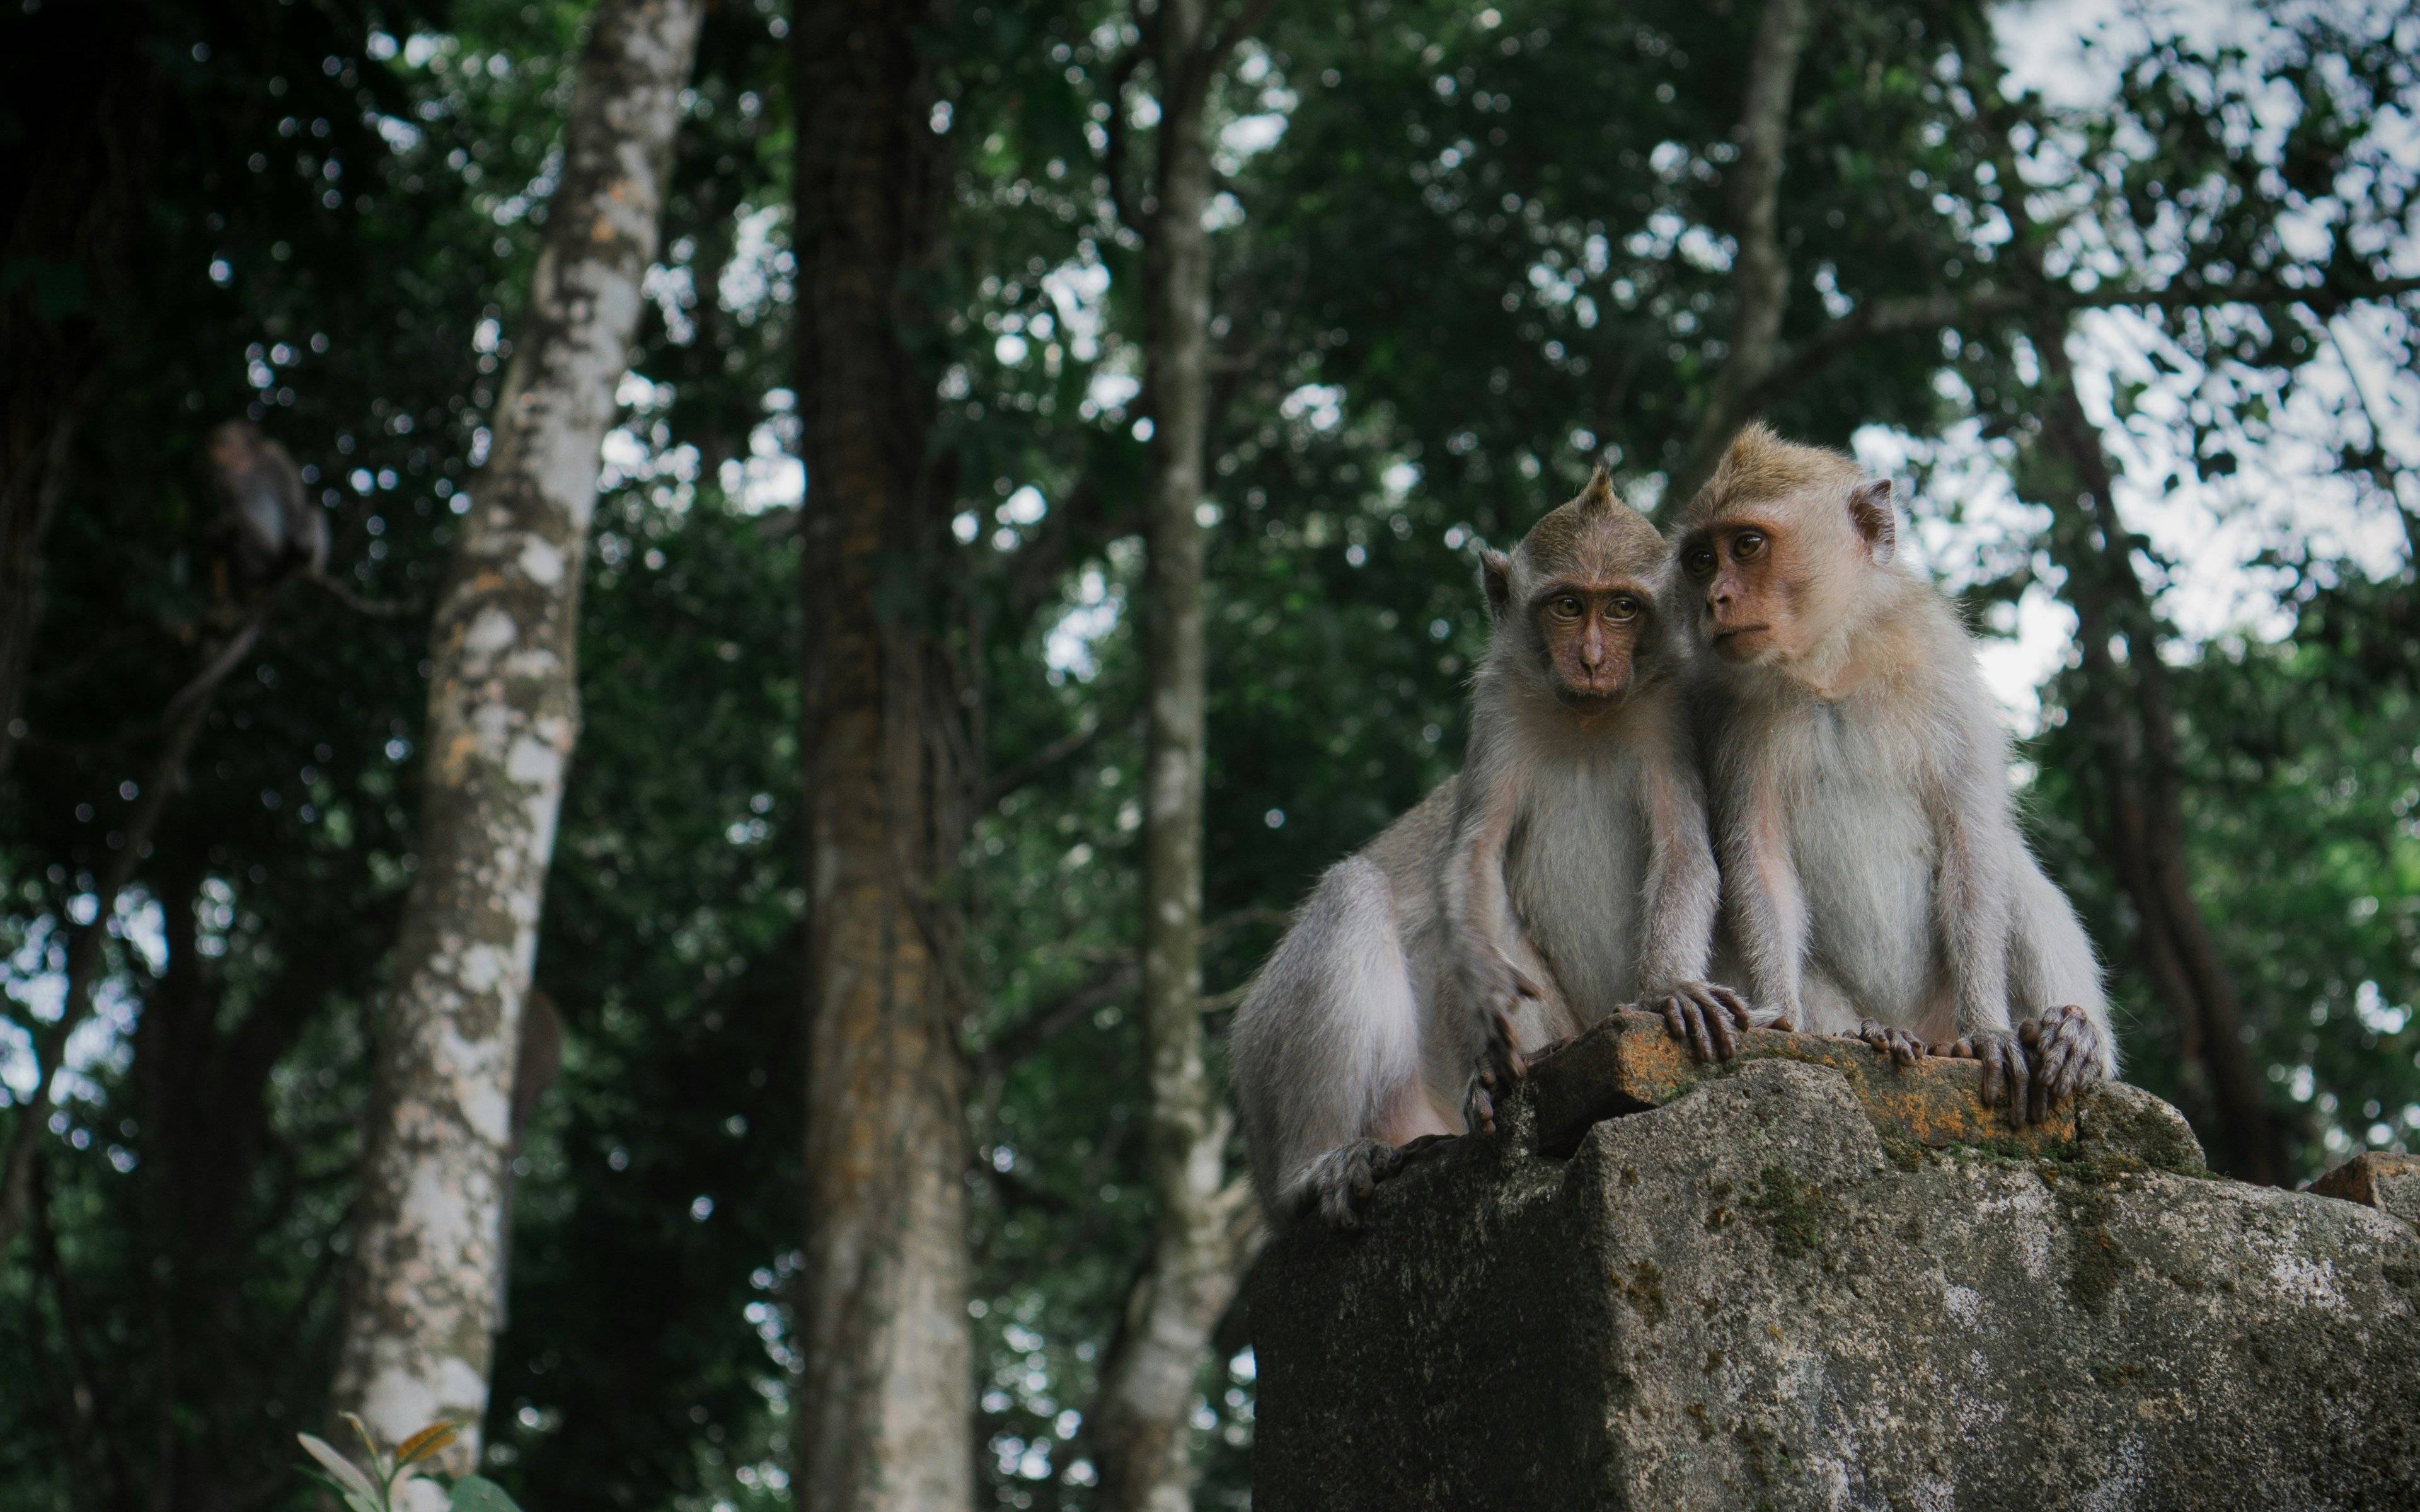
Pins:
x,y
1875,882
270,528
1567,870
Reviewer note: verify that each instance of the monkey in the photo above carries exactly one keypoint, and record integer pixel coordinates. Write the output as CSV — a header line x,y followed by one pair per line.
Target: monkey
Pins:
x,y
272,529
1875,882
1566,870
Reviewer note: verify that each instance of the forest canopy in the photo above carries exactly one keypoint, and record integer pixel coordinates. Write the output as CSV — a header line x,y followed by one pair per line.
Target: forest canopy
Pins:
x,y
1032,412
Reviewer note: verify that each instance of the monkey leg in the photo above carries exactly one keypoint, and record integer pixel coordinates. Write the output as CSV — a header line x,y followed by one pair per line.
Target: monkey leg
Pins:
x,y
2066,1051
2007,1070
1339,1183
1894,1044
1706,1018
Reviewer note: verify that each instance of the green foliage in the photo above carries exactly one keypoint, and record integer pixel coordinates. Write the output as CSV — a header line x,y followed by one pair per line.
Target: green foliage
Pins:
x,y
375,1491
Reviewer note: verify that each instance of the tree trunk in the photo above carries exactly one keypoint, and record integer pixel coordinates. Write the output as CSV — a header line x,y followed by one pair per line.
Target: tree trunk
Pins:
x,y
502,714
882,1409
1206,1231
2132,731
1759,270
69,219
2130,717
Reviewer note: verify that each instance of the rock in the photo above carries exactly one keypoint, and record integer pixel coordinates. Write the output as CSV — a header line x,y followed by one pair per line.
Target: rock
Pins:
x,y
2390,1184
1760,1294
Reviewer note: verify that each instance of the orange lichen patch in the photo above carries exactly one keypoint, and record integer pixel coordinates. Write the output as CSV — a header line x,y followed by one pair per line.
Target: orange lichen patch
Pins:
x,y
2388,1182
1630,1062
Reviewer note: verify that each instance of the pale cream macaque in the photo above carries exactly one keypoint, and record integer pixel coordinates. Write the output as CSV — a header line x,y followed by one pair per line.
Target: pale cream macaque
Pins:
x,y
1565,873
1874,880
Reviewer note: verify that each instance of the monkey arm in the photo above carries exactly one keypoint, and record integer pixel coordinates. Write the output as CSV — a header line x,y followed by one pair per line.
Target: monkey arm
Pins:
x,y
1767,906
1476,903
1971,905
1684,885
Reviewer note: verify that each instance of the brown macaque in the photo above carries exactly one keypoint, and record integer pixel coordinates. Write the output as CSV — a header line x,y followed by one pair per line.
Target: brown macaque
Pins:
x,y
270,526
1874,880
1565,873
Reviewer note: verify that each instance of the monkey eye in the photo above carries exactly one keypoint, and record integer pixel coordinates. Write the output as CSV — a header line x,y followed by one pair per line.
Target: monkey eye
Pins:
x,y
1624,607
1747,544
1698,561
1565,607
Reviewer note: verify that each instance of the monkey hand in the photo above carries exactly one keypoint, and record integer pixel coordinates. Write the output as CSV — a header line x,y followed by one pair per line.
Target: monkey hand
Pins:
x,y
1496,987
1704,1017
1337,1188
1896,1044
2007,1070
1479,1102
2067,1054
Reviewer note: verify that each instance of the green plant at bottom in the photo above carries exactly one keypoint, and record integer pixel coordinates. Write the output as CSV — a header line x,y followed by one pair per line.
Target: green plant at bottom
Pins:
x,y
373,1491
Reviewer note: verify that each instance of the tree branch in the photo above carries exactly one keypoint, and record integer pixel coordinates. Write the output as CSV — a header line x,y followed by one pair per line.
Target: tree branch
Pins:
x,y
1760,273
185,713
1074,743
1938,311
1113,153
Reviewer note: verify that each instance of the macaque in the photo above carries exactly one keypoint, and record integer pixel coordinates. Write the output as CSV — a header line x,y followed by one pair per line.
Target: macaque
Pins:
x,y
272,529
1565,873
1874,880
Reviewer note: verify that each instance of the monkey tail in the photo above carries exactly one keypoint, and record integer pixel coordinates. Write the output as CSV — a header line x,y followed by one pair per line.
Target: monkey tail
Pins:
x,y
1327,1041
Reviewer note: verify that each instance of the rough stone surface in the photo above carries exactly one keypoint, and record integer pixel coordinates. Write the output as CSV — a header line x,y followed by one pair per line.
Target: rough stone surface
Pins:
x,y
2390,1184
1754,1297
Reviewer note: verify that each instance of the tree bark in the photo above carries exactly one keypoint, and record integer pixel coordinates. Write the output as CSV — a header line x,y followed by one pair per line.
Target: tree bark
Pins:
x,y
1760,269
68,222
502,715
2131,723
1206,1231
882,1407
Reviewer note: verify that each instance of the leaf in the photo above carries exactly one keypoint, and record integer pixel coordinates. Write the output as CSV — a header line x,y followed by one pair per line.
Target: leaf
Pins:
x,y
380,1465
428,1442
344,1497
358,1489
476,1493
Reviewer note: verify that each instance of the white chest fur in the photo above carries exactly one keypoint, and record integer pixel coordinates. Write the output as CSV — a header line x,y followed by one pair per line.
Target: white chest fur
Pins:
x,y
1577,868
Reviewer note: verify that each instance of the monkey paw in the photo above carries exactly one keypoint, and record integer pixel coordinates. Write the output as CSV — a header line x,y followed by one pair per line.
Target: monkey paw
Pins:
x,y
2007,1070
1894,1044
1339,1182
1706,1018
2066,1051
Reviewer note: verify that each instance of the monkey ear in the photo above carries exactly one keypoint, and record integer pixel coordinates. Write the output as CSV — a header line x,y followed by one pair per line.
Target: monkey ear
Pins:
x,y
1495,576
1869,508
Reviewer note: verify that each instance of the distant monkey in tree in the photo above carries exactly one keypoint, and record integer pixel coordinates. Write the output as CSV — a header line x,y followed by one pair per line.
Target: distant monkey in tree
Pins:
x,y
270,526
1874,880
1566,871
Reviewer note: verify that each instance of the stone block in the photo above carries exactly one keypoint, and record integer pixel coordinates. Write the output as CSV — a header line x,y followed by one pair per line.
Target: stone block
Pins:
x,y
1776,1290
2390,1184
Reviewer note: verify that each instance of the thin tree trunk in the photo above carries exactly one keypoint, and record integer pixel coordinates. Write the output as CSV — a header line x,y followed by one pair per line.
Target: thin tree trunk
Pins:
x,y
2129,714
502,714
882,1408
1206,1231
1760,269
2133,730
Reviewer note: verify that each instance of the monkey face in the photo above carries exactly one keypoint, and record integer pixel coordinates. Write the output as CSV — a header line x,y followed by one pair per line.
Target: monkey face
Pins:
x,y
1590,632
1747,610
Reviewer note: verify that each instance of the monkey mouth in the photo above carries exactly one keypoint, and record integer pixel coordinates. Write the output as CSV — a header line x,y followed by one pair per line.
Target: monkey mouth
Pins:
x,y
1592,699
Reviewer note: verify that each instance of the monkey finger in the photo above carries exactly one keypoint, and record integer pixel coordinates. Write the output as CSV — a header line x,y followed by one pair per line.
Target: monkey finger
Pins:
x,y
1521,984
1716,1015
1702,1040
1994,1086
1741,1013
2019,1086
